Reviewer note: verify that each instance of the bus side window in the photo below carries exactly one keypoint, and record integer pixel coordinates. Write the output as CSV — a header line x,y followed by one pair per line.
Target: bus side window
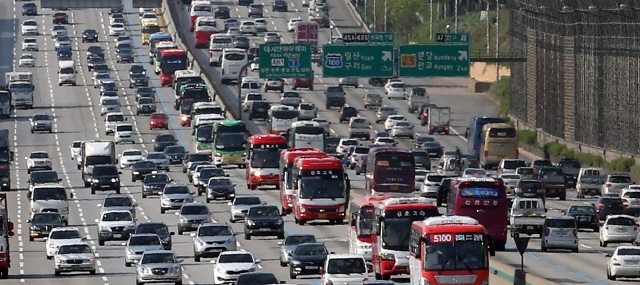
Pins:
x,y
414,242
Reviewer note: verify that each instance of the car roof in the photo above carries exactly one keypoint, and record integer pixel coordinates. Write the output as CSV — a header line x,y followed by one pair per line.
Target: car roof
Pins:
x,y
609,217
232,252
60,229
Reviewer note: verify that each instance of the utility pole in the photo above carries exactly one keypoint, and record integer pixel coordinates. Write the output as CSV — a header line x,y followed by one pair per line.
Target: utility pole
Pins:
x,y
456,17
375,16
385,16
488,29
431,19
497,39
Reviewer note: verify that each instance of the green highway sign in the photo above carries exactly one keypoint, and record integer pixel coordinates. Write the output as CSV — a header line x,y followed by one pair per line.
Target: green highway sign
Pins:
x,y
357,60
433,60
381,38
285,61
452,38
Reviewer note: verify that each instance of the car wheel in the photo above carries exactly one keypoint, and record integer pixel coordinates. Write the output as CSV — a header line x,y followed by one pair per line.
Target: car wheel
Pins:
x,y
247,236
162,210
144,195
100,242
196,258
127,264
291,274
180,231
56,273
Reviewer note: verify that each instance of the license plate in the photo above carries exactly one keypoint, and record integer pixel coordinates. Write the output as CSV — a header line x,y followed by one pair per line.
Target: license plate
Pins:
x,y
584,219
621,230
529,227
75,266
104,186
117,235
394,187
322,216
264,230
311,267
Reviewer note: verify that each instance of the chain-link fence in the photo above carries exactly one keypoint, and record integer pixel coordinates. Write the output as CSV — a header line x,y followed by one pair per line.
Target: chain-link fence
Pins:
x,y
581,81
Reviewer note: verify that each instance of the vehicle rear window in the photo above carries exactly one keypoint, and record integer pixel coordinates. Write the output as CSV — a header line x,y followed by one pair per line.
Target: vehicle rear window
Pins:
x,y
529,185
349,142
628,251
631,195
502,133
510,176
513,164
619,179
561,223
525,171
621,222
223,40
435,178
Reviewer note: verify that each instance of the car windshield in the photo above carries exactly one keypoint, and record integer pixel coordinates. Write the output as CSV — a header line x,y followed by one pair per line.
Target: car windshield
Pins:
x,y
117,202
386,140
194,210
315,249
158,116
247,201
235,258
212,171
144,240
158,258
151,178
69,249
220,182
30,40
294,240
211,231
64,235
49,194
175,150
41,117
581,210
46,218
159,229
43,177
105,171
117,217
346,266
165,138
263,212
176,190
115,118
156,156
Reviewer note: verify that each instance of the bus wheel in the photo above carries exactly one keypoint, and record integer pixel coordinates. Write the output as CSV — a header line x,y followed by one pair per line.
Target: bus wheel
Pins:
x,y
301,222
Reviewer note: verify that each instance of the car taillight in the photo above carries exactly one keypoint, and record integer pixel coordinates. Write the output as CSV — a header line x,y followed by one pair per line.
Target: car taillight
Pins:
x,y
486,153
608,185
341,113
518,190
615,262
575,232
597,219
540,190
600,206
625,201
635,227
432,128
546,233
606,227
223,71
425,115
622,206
446,128
517,152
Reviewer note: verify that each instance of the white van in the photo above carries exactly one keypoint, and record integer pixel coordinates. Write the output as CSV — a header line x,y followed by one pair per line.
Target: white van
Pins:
x,y
50,198
344,268
249,85
217,43
233,59
66,72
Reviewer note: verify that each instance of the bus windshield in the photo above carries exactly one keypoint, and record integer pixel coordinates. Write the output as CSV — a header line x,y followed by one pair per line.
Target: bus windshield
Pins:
x,y
204,133
5,97
455,252
322,184
265,158
395,233
230,141
171,63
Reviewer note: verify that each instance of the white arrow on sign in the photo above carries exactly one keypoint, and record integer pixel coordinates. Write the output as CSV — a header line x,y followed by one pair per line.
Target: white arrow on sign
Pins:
x,y
386,55
463,55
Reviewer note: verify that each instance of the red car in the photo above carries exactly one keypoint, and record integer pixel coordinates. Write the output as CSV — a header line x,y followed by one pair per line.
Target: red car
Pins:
x,y
302,83
159,121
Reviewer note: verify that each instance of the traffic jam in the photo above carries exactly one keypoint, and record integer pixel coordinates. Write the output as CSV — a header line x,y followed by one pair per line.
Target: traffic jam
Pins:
x,y
406,208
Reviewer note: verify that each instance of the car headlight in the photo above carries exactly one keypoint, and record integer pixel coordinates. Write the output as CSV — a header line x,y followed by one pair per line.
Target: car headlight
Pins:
x,y
35,227
295,262
279,222
114,180
96,181
165,239
341,209
485,281
236,211
218,154
130,251
58,261
52,245
164,198
175,269
131,226
136,172
251,223
183,219
219,270
143,270
388,256
253,268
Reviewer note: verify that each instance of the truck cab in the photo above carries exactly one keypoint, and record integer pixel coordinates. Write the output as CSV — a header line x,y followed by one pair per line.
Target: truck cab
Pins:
x,y
359,127
527,216
417,97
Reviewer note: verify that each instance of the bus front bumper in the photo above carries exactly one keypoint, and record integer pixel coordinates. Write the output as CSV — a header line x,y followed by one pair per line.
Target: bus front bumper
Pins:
x,y
228,159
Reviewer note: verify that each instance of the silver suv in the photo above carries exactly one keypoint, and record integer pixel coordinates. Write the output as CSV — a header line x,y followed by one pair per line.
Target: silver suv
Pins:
x,y
159,266
41,122
115,225
240,207
211,239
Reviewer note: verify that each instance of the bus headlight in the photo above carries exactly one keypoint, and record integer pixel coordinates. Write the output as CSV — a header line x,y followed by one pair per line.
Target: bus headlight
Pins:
x,y
424,281
485,281
388,256
257,173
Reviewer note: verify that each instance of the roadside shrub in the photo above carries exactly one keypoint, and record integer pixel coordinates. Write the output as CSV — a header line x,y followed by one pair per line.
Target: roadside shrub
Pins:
x,y
527,136
555,148
590,159
622,164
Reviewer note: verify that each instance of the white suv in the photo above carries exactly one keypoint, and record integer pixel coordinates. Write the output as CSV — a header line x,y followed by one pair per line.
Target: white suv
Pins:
x,y
344,269
230,264
112,120
344,144
618,228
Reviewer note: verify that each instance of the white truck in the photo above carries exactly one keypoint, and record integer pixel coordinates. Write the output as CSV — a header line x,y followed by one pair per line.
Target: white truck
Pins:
x,y
417,97
20,84
590,181
66,72
359,127
439,120
527,216
95,153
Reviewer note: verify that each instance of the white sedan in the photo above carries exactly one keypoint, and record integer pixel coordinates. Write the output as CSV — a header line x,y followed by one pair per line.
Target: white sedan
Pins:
x,y
61,236
117,29
130,156
624,262
291,25
392,120
394,85
398,95
27,60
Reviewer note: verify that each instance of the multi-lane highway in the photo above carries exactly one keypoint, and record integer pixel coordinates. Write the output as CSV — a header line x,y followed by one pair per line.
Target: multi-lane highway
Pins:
x,y
77,117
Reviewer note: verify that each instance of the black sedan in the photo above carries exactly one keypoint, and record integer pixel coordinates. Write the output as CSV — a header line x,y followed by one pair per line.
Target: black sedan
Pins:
x,y
90,35
280,6
433,148
30,9
142,168
60,18
585,216
164,140
241,42
145,92
124,55
307,259
176,153
95,51
153,184
115,10
41,224
137,68
94,61
264,220
220,187
222,12
138,79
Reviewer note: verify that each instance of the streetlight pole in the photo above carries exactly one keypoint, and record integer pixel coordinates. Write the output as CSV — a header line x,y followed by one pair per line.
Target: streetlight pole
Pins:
x,y
375,16
456,17
385,15
497,39
488,29
431,19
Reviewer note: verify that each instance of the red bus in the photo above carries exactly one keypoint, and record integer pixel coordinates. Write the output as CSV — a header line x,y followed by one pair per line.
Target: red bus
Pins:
x,y
484,199
361,214
390,171
198,9
449,250
390,236
170,61
263,158
321,190
286,169
205,27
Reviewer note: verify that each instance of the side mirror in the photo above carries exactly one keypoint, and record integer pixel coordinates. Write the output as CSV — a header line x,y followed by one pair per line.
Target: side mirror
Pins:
x,y
135,204
172,233
607,254
29,180
179,260
71,195
258,261
153,140
234,185
126,119
29,221
59,180
214,261
119,172
227,175
369,267
193,234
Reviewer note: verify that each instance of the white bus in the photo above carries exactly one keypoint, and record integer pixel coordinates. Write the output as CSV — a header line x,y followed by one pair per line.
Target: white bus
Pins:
x,y
233,59
306,134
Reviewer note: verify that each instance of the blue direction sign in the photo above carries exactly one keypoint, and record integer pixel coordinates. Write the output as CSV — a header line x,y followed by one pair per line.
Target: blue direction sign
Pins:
x,y
358,60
